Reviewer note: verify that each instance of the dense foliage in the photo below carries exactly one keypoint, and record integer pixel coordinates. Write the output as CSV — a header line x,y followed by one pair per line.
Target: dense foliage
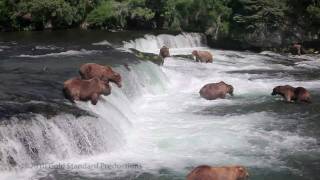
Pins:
x,y
250,20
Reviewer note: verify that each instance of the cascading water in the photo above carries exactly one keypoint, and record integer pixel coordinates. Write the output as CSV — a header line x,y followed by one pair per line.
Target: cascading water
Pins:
x,y
159,122
41,140
152,43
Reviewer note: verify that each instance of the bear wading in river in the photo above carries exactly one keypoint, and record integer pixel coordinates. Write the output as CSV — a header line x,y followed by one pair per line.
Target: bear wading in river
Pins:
x,y
205,172
216,90
291,94
104,73
202,56
297,49
77,89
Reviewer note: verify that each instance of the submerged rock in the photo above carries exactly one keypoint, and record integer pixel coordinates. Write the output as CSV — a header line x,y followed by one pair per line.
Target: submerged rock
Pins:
x,y
11,161
147,56
187,56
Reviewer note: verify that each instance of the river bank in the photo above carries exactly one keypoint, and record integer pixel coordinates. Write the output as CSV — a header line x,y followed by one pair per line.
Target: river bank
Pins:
x,y
310,47
232,24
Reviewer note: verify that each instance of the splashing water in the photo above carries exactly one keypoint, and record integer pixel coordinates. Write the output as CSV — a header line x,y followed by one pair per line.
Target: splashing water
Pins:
x,y
158,120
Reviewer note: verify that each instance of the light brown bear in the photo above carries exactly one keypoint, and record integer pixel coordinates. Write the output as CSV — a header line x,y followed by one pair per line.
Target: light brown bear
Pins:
x,y
77,89
291,94
202,56
105,73
216,90
164,52
287,92
205,172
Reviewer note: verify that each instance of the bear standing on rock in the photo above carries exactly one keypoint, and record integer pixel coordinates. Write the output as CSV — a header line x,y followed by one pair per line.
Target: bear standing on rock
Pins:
x,y
202,56
76,89
291,94
104,73
216,90
218,173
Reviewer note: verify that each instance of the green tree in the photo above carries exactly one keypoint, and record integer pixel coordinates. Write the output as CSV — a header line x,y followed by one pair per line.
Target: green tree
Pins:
x,y
116,14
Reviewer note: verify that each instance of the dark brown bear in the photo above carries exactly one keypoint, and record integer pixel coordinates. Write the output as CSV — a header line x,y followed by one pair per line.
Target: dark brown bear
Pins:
x,y
216,90
302,95
77,89
218,173
105,73
164,52
202,56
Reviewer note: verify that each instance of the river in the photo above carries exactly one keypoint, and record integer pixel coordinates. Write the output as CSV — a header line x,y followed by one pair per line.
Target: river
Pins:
x,y
156,126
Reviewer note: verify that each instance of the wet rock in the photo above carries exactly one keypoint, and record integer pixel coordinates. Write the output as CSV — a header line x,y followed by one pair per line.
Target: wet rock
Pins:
x,y
147,57
11,161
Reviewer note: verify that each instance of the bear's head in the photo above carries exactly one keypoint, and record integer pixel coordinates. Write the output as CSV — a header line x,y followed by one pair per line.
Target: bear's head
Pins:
x,y
116,77
195,53
103,86
230,90
242,173
276,90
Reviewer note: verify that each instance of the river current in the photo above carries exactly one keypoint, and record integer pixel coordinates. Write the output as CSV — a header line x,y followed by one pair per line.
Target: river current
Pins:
x,y
156,126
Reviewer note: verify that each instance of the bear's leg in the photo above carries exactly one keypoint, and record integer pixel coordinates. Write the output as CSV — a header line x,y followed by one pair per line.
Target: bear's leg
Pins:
x,y
94,98
119,85
288,98
305,100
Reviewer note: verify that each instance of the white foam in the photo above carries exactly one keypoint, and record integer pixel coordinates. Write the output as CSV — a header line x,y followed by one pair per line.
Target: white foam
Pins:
x,y
65,53
310,57
152,43
312,63
49,47
102,43
157,116
4,47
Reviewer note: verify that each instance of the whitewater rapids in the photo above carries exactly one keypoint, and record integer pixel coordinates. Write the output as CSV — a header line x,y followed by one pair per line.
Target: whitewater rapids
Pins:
x,y
158,120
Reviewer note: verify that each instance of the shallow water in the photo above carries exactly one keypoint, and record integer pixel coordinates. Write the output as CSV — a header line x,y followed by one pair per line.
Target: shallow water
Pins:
x,y
156,126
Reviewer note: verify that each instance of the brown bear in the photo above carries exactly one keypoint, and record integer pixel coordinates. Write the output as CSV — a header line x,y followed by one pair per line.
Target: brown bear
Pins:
x,y
216,90
202,56
287,92
291,94
297,49
205,172
302,95
105,73
76,89
164,52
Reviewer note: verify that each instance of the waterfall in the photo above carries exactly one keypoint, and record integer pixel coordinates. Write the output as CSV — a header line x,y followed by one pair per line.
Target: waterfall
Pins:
x,y
40,140
152,43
